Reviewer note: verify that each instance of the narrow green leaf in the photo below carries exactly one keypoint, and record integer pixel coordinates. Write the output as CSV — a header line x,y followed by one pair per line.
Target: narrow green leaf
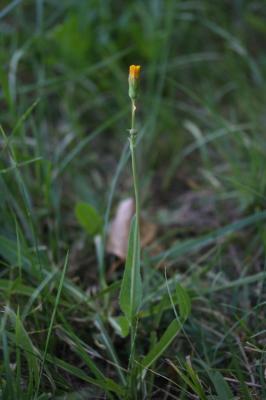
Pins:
x,y
9,251
181,248
24,342
7,285
60,287
131,288
110,349
121,325
194,379
36,293
178,297
7,389
88,218
190,378
164,342
183,301
80,348
24,117
221,386
105,384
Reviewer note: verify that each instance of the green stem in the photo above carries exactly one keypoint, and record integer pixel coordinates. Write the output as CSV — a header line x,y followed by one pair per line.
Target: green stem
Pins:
x,y
132,140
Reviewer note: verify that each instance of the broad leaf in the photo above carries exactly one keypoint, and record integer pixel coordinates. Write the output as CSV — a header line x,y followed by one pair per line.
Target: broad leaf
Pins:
x,y
88,218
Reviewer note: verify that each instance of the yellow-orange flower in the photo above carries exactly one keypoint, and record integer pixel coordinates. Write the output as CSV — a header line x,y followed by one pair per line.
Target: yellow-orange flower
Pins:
x,y
133,81
134,71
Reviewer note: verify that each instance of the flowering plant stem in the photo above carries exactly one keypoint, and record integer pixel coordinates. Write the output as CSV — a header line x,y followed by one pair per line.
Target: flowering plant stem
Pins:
x,y
132,141
131,286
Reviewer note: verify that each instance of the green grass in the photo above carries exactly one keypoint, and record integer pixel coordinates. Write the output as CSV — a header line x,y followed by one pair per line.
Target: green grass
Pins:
x,y
201,155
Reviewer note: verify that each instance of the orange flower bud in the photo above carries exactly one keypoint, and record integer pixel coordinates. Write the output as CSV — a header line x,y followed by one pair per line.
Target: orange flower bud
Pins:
x,y
134,71
133,81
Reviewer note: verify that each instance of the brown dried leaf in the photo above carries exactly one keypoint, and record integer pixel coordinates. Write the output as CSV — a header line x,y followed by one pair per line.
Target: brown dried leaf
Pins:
x,y
119,230
148,232
117,242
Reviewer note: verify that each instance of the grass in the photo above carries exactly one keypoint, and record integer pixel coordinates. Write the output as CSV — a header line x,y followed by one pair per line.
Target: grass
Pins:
x,y
201,156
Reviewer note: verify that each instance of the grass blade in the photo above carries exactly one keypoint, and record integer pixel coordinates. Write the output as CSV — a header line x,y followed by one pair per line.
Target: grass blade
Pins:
x,y
221,386
190,378
164,342
51,323
8,390
106,385
182,248
109,346
24,342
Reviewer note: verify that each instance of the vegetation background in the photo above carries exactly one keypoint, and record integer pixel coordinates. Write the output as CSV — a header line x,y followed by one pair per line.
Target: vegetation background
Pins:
x,y
64,118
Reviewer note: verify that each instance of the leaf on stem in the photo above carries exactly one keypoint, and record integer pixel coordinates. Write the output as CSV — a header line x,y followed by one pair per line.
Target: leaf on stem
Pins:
x,y
131,288
164,342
